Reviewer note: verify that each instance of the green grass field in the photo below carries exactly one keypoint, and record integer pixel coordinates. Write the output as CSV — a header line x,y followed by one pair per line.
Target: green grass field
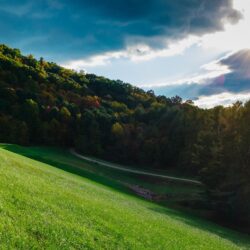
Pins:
x,y
44,207
63,159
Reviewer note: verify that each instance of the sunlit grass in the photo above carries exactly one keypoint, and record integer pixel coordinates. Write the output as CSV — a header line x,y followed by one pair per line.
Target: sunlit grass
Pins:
x,y
44,207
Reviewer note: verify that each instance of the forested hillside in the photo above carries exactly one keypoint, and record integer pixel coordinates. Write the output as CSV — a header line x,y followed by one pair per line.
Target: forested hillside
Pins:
x,y
42,103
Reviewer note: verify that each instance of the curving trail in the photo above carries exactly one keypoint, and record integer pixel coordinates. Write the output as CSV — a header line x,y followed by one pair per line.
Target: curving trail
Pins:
x,y
122,168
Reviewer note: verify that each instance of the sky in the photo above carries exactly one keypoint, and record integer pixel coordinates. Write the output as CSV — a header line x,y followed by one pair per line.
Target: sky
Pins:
x,y
197,49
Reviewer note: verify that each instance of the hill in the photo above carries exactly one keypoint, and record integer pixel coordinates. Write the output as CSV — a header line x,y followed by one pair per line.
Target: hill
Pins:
x,y
44,207
42,103
168,192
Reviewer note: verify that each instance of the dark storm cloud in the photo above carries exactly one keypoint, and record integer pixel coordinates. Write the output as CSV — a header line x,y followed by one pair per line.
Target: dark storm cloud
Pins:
x,y
63,29
237,81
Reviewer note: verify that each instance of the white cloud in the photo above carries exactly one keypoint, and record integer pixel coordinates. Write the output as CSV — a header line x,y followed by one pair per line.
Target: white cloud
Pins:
x,y
93,61
225,99
172,49
135,53
208,71
233,37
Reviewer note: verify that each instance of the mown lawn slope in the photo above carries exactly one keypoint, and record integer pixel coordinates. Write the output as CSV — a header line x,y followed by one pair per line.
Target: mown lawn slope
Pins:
x,y
45,207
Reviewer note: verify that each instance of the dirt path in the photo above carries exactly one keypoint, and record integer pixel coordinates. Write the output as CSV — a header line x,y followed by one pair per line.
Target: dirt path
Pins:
x,y
122,168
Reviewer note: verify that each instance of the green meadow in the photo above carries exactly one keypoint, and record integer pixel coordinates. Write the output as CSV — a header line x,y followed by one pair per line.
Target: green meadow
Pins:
x,y
49,199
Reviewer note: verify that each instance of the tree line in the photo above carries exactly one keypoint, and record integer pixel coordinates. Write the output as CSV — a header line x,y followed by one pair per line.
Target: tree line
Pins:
x,y
42,103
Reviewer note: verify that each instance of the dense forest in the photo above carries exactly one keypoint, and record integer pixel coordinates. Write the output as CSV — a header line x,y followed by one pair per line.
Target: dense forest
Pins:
x,y
42,103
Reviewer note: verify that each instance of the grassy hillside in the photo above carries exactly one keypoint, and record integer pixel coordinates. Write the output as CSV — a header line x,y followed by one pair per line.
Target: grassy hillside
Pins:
x,y
62,158
44,207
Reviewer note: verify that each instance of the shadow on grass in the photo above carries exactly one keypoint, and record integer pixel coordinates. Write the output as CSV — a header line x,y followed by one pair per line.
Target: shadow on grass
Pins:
x,y
241,240
33,154
38,153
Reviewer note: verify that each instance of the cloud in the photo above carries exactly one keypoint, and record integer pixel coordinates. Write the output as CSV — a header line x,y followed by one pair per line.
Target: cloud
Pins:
x,y
84,28
208,72
225,99
238,79
239,64
153,17
233,37
96,60
135,53
229,74
20,9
